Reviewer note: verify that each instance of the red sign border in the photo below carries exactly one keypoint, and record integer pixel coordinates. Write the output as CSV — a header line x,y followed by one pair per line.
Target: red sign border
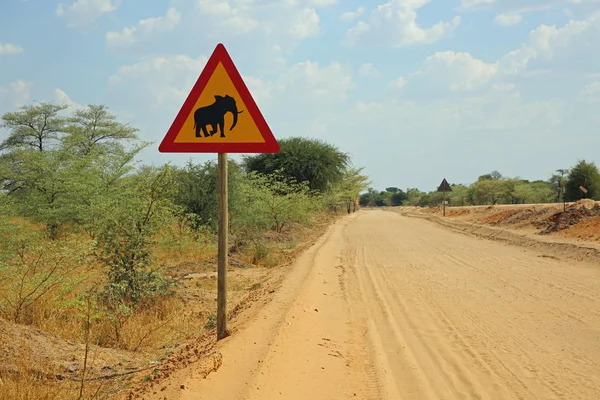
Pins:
x,y
168,144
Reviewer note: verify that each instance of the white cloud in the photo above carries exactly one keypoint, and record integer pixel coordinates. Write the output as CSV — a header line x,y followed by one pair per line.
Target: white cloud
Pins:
x,y
545,41
507,19
305,24
395,24
8,48
288,18
369,70
84,12
352,15
475,3
458,71
63,98
590,93
159,80
233,17
592,88
145,29
397,83
14,95
322,3
262,32
524,6
330,83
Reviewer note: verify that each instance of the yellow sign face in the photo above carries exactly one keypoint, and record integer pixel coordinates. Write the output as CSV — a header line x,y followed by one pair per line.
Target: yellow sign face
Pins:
x,y
219,115
245,131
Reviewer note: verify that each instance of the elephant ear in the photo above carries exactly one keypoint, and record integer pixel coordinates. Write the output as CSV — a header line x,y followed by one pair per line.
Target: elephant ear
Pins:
x,y
217,97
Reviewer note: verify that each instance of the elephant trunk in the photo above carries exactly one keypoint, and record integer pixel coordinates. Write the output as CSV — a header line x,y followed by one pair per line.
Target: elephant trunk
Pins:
x,y
235,113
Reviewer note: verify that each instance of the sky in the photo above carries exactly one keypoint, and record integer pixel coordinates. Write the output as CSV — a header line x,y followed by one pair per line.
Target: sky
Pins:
x,y
413,90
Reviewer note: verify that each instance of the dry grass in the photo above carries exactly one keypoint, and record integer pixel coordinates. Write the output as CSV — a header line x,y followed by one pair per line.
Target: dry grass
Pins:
x,y
150,334
24,383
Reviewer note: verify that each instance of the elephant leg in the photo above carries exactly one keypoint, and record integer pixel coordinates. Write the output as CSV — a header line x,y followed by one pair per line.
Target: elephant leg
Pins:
x,y
198,128
222,127
205,131
214,129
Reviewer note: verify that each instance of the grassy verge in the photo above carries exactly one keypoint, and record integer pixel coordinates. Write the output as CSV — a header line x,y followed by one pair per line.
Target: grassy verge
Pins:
x,y
45,341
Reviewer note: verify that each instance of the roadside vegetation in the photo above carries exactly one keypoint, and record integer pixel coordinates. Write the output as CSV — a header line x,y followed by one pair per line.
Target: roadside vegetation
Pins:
x,y
100,252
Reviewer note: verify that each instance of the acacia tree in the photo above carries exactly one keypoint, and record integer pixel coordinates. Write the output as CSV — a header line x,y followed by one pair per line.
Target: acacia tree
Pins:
x,y
486,191
36,126
57,167
560,180
95,129
348,190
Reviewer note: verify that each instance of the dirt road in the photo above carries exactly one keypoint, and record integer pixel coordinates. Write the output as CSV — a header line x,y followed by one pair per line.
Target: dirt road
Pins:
x,y
391,307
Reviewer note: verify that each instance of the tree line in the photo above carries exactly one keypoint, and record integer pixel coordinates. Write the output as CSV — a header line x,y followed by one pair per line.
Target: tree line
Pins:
x,y
494,188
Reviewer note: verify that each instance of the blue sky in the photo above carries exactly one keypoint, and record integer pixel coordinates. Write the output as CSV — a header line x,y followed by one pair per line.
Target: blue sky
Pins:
x,y
414,90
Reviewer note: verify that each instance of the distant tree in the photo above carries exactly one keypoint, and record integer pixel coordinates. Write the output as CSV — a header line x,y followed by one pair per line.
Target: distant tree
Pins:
x,y
508,190
458,195
318,163
392,189
364,199
353,182
533,192
559,180
486,191
494,175
584,174
398,198
372,196
415,197
384,199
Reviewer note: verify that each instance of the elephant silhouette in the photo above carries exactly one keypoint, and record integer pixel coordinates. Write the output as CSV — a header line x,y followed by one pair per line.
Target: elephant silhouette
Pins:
x,y
214,115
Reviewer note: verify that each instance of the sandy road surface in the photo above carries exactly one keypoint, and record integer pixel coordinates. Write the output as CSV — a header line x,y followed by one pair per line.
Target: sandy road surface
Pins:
x,y
390,307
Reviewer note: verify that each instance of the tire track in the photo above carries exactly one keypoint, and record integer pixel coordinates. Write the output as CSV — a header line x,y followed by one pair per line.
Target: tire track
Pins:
x,y
473,318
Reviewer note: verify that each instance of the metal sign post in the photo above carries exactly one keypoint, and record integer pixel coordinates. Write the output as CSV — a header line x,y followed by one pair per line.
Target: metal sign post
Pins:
x,y
444,187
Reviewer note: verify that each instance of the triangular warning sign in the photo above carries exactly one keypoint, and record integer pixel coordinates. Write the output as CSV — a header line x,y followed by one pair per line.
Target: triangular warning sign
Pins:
x,y
219,115
444,186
